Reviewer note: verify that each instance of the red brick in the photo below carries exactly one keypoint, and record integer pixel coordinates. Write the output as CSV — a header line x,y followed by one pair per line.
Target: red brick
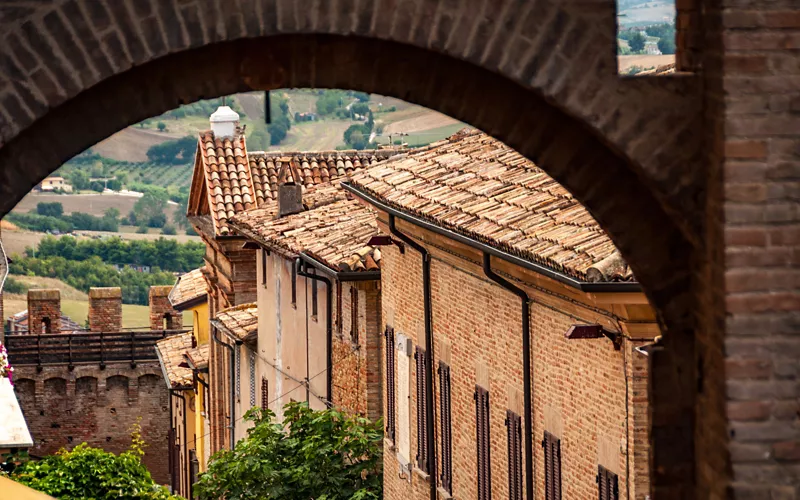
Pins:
x,y
748,410
787,450
746,149
747,368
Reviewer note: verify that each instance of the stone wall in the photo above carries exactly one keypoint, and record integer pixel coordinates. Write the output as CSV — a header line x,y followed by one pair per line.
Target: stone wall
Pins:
x,y
64,408
44,311
105,309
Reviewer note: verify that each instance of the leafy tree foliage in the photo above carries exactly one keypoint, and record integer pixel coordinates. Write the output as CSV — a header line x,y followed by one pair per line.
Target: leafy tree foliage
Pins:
x,y
329,101
163,253
149,209
666,45
360,108
637,42
64,223
312,454
54,209
279,113
161,126
177,152
87,472
13,286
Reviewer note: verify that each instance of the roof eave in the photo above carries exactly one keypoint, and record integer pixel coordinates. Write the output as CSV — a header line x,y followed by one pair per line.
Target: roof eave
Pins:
x,y
601,287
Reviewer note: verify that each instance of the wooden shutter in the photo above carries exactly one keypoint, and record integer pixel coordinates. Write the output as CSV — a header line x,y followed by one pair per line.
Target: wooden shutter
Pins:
x,y
446,427
514,427
422,410
390,385
552,466
608,484
484,443
264,392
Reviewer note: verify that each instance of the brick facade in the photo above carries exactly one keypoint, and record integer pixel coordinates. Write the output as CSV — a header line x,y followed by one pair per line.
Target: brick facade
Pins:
x,y
591,396
162,315
64,408
44,311
105,309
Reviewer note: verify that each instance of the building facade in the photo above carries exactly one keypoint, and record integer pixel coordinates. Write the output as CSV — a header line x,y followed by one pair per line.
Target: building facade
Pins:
x,y
478,403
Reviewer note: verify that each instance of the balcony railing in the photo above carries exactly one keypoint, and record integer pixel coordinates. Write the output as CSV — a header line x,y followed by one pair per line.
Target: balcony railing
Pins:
x,y
71,348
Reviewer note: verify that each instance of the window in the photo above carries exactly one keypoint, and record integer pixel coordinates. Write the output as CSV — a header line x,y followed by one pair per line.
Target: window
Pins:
x,y
339,318
313,295
264,392
646,36
263,268
552,467
252,360
514,427
353,314
47,325
390,387
484,443
446,427
294,285
608,484
422,410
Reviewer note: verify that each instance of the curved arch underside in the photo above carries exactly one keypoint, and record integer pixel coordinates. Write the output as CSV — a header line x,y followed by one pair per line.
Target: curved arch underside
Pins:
x,y
607,183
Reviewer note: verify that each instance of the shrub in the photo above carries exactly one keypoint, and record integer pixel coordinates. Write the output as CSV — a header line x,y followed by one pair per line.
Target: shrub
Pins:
x,y
14,286
87,472
311,454
169,230
54,209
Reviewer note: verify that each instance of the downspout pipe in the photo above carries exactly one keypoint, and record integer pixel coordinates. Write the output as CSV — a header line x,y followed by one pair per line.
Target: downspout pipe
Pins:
x,y
233,386
303,271
427,303
526,365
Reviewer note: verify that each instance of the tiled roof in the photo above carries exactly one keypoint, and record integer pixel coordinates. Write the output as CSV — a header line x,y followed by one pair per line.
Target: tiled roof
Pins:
x,y
189,287
170,353
313,167
198,357
230,188
335,233
239,321
475,185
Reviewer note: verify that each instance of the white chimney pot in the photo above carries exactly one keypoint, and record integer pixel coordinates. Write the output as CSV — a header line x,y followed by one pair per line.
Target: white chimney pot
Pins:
x,y
223,122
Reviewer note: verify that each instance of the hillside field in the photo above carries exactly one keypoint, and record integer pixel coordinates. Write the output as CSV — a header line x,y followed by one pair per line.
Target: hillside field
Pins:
x,y
93,204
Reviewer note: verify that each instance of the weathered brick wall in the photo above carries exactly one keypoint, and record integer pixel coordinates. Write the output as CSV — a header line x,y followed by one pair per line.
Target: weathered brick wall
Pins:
x,y
162,315
44,311
585,392
64,408
357,383
753,239
105,309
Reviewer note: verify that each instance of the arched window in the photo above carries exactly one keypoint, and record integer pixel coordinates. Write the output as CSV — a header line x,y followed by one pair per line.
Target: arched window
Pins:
x,y
47,325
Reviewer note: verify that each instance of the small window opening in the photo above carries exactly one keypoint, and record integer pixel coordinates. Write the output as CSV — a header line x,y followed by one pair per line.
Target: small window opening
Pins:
x,y
47,325
264,268
646,37
314,296
167,321
294,285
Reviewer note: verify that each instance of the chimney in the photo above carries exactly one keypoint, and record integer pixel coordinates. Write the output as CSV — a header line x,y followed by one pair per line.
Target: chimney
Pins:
x,y
44,311
290,192
105,309
162,315
223,122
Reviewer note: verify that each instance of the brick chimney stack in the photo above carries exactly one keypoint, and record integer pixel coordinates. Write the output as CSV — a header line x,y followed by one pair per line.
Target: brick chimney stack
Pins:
x,y
290,191
44,311
162,315
105,309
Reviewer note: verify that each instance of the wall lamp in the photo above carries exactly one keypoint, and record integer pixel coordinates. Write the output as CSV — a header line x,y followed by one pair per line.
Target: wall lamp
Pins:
x,y
594,332
382,240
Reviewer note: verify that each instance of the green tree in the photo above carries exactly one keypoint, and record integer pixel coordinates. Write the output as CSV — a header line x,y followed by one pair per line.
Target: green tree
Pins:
x,y
666,45
87,472
169,230
637,42
161,126
149,209
54,209
311,454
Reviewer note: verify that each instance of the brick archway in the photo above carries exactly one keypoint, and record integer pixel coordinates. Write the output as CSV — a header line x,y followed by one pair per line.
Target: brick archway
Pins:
x,y
539,76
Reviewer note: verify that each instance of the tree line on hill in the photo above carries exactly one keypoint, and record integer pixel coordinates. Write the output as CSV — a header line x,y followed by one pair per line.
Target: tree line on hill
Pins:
x,y
637,40
88,263
50,217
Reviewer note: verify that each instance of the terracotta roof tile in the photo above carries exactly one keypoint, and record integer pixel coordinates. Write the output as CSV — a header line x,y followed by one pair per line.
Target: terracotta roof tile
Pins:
x,y
228,178
313,167
170,352
240,321
334,230
198,357
474,184
189,287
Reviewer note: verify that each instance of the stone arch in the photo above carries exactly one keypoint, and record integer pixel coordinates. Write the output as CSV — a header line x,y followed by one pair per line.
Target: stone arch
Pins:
x,y
25,389
539,76
149,384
